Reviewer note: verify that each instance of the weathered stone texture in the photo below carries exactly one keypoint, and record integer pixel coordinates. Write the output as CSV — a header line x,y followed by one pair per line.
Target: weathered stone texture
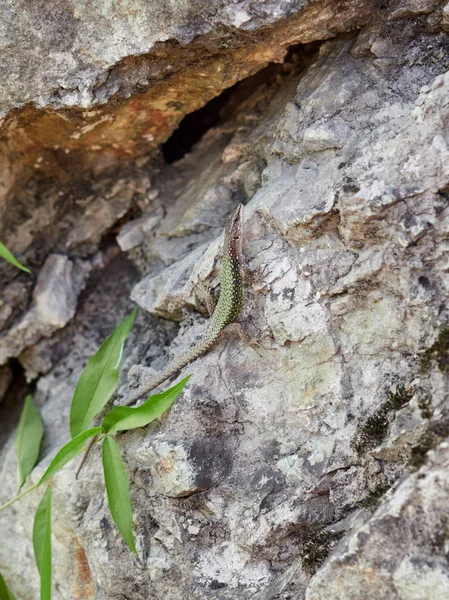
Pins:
x,y
90,88
317,466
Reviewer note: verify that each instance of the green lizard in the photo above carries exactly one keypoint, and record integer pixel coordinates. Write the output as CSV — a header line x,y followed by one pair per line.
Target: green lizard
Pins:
x,y
227,309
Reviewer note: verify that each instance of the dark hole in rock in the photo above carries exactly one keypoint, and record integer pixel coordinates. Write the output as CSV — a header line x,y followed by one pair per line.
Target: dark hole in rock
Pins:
x,y
424,281
194,125
12,402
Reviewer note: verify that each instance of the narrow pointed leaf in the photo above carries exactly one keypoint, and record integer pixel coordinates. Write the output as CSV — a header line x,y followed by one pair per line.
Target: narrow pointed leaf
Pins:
x,y
42,543
99,378
117,489
5,594
125,417
69,451
28,440
7,255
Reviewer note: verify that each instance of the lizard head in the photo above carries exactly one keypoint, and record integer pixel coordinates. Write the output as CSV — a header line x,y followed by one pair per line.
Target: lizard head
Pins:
x,y
234,231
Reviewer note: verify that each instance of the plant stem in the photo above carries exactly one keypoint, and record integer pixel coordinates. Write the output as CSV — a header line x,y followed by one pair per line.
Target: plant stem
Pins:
x,y
30,489
86,454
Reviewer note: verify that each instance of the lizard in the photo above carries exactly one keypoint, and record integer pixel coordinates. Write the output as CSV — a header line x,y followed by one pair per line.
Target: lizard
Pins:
x,y
223,316
226,311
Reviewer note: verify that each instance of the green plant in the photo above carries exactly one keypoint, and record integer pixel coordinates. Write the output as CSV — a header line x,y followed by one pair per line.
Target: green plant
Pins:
x,y
121,418
42,543
117,489
99,378
5,594
28,440
95,387
7,255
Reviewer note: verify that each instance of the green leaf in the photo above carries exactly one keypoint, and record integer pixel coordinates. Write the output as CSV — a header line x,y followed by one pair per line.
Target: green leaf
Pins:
x,y
28,439
5,594
117,489
42,543
125,417
99,378
7,255
69,451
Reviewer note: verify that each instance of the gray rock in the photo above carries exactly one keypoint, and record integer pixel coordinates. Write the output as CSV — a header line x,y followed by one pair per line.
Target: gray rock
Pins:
x,y
314,466
445,20
54,304
131,235
182,469
82,45
399,551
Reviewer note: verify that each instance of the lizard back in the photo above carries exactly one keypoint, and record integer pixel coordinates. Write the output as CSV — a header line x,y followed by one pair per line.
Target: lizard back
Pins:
x,y
231,284
231,297
228,306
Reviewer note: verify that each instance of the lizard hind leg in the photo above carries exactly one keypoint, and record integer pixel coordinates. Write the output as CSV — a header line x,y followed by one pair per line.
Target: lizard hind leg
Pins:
x,y
252,276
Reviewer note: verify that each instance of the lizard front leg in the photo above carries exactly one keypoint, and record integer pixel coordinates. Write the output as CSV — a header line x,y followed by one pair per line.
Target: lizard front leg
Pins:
x,y
205,296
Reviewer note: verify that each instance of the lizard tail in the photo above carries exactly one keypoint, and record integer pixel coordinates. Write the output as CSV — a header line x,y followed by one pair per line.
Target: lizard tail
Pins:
x,y
173,369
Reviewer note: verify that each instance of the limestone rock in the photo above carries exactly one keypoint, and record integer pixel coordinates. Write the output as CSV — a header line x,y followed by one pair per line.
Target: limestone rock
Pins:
x,y
54,304
409,528
312,467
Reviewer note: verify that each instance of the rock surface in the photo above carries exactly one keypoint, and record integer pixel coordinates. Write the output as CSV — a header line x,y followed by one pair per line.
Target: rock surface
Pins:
x,y
317,466
54,302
